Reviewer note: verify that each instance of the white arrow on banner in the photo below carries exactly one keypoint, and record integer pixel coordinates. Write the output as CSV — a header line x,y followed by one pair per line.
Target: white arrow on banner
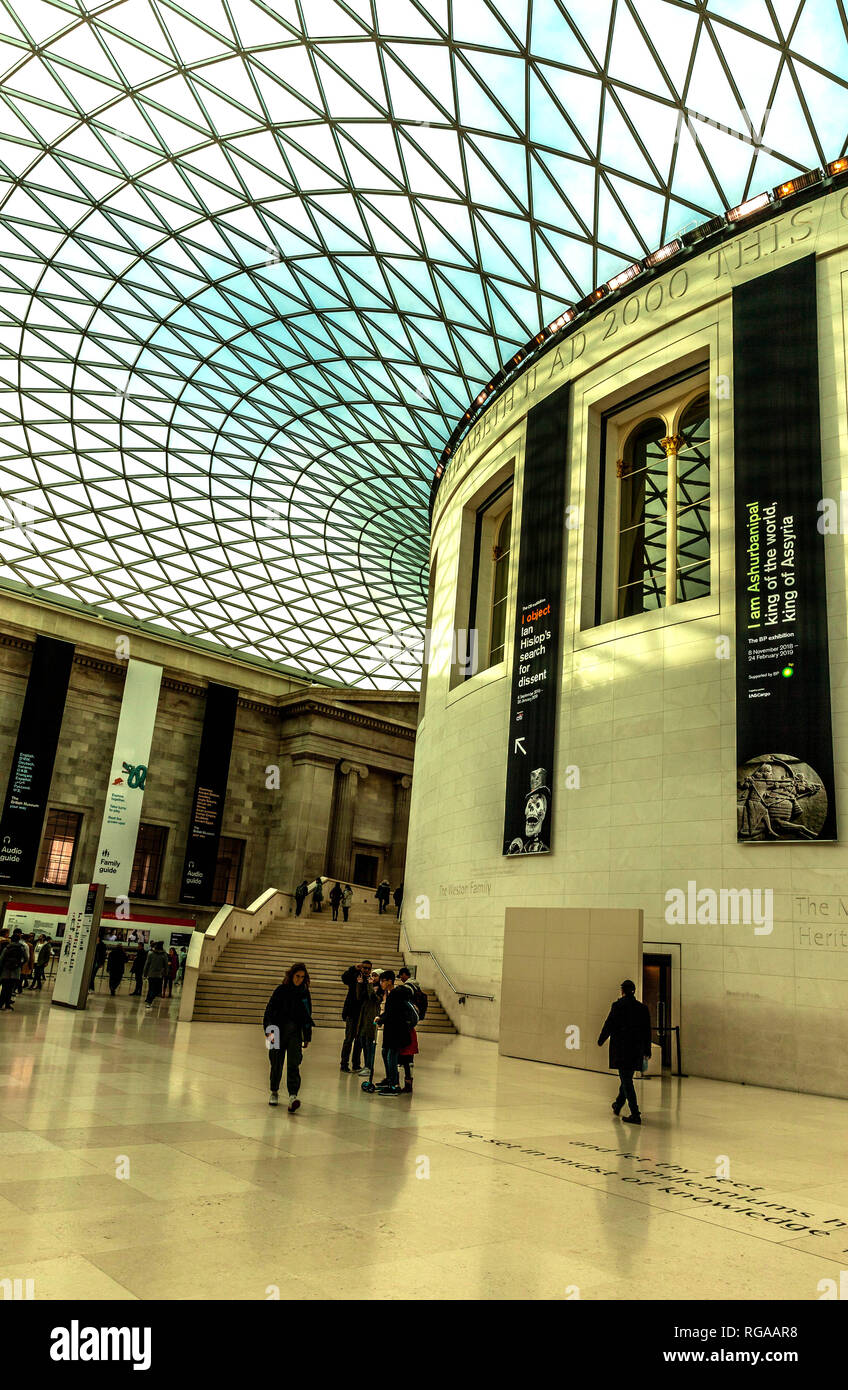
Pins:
x,y
519,747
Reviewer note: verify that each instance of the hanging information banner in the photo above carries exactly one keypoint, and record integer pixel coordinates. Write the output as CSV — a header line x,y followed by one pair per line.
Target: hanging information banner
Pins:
x,y
784,742
76,959
32,762
207,810
127,779
528,819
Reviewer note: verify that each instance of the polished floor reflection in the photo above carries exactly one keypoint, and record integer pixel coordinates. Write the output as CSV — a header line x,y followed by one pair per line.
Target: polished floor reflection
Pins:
x,y
141,1160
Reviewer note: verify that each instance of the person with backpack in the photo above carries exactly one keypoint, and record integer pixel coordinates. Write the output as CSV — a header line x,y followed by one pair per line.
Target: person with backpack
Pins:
x,y
419,1000
347,900
397,1021
154,972
42,960
11,964
318,895
28,943
382,895
288,1030
628,1027
335,900
300,895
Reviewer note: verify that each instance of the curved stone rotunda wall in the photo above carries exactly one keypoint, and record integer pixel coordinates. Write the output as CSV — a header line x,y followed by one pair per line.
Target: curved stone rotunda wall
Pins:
x,y
645,770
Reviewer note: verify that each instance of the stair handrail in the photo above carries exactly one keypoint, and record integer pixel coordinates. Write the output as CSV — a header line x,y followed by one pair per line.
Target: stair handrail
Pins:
x,y
461,994
228,923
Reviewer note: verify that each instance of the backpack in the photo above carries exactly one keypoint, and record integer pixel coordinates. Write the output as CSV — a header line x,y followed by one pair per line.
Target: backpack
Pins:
x,y
420,1001
411,1015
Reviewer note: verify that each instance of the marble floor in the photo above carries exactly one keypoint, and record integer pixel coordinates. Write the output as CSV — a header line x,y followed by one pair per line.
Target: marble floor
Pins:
x,y
141,1160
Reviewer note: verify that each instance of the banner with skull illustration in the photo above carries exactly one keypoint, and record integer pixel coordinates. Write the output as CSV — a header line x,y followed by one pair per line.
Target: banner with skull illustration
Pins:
x,y
784,742
528,820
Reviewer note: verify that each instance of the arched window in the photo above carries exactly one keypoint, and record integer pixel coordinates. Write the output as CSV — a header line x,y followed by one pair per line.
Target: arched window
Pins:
x,y
500,590
693,502
642,534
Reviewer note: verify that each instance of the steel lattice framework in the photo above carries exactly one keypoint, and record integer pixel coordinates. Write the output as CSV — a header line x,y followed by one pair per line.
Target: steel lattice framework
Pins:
x,y
257,259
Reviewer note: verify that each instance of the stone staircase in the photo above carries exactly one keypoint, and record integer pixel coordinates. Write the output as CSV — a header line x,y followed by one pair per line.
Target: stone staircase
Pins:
x,y
247,972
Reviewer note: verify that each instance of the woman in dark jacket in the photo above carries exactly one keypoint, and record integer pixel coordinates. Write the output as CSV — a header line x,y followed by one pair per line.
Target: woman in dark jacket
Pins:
x,y
628,1028
335,900
288,1029
397,1030
115,966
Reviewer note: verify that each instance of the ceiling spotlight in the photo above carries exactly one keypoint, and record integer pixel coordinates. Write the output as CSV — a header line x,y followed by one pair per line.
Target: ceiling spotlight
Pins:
x,y
703,230
623,277
785,190
837,166
749,207
671,248
561,321
591,298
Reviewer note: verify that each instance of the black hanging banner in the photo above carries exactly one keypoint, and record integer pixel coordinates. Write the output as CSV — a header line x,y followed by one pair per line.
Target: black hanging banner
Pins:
x,y
528,819
207,811
32,763
784,742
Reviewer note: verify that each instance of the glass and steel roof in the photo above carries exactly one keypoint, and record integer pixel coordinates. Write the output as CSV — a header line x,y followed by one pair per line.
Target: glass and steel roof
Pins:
x,y
257,259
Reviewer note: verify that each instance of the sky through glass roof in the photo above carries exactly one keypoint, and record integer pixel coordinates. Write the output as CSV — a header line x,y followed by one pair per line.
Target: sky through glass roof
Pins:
x,y
257,260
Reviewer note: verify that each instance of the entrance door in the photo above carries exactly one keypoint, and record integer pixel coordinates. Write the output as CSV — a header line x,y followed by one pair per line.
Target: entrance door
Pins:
x,y
365,870
656,993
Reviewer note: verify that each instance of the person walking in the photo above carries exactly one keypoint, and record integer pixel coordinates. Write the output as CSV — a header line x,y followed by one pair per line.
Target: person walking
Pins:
x,y
11,964
42,960
628,1027
182,965
115,966
398,899
99,960
300,895
347,900
317,895
355,977
383,894
335,900
288,1030
137,969
395,1023
154,972
171,972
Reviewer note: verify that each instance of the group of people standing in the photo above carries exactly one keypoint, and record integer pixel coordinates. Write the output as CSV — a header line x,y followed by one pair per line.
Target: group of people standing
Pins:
x,y
23,961
343,897
379,1003
160,968
339,898
394,1005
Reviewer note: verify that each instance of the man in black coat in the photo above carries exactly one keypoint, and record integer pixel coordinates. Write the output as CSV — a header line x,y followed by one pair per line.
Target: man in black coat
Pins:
x,y
628,1028
356,978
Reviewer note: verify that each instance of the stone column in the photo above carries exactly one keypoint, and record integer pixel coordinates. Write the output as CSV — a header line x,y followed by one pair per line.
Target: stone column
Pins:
x,y
300,846
400,830
341,831
672,444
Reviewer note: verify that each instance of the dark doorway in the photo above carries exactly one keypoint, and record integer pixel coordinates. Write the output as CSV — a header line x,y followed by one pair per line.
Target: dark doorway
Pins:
x,y
656,993
365,870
